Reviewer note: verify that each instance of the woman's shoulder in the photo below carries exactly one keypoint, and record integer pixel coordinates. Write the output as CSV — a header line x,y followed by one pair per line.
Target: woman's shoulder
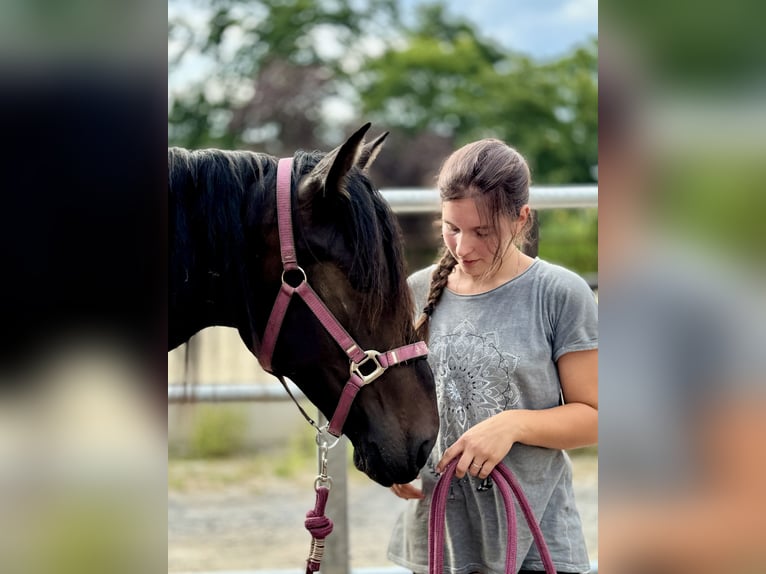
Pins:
x,y
421,277
559,277
419,283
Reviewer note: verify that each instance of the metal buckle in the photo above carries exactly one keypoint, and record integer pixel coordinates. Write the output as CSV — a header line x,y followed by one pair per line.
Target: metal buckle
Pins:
x,y
369,377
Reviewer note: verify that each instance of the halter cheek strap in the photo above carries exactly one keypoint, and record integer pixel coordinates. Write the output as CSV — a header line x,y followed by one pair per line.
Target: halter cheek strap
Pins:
x,y
364,366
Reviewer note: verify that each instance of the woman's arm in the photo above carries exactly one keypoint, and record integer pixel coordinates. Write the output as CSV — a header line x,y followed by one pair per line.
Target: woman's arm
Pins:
x,y
571,425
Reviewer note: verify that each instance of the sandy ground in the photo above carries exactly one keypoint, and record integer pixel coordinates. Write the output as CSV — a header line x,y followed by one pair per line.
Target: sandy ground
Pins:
x,y
238,515
258,524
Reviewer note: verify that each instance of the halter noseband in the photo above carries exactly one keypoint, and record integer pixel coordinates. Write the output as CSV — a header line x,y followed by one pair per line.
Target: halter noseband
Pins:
x,y
365,366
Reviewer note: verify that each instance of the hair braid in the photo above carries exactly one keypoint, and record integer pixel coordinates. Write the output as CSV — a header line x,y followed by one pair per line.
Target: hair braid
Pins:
x,y
438,283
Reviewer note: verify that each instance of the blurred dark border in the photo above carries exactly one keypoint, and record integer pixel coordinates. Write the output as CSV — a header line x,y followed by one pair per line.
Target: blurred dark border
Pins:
x,y
83,217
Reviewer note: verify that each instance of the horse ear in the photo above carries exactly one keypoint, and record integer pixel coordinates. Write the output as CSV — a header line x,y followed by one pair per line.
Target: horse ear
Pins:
x,y
329,175
370,151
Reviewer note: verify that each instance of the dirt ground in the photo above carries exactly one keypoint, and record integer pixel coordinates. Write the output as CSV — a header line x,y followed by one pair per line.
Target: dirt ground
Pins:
x,y
257,524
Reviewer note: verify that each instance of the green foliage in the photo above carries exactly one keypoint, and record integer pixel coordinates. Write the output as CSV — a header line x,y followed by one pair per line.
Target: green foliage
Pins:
x,y
569,237
271,68
218,431
274,71
714,45
715,200
445,78
301,452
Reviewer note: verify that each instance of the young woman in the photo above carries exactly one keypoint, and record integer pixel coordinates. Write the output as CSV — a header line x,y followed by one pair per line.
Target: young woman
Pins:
x,y
513,345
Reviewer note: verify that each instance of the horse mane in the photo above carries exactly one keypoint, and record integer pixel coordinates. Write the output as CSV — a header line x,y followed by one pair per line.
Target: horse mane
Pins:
x,y
215,193
224,190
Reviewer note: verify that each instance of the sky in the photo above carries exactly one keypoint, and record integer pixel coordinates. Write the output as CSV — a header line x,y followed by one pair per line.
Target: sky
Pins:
x,y
540,28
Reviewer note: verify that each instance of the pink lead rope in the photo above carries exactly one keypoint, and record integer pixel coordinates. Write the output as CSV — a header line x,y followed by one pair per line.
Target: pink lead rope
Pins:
x,y
509,487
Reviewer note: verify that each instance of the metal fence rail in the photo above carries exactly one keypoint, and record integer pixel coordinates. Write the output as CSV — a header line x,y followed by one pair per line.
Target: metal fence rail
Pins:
x,y
407,200
228,393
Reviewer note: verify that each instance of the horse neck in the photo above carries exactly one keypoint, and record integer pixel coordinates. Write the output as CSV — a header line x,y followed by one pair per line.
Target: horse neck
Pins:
x,y
218,235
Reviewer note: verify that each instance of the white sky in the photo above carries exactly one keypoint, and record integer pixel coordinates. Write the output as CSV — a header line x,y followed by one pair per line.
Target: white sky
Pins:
x,y
540,28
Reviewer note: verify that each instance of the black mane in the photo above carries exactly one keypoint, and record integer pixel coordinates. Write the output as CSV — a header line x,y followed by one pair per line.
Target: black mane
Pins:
x,y
214,194
214,189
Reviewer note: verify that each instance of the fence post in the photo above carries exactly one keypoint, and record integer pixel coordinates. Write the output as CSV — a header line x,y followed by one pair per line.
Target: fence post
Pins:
x,y
336,555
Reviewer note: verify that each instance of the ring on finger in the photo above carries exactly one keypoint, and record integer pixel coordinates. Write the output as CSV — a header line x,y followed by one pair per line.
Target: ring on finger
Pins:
x,y
476,465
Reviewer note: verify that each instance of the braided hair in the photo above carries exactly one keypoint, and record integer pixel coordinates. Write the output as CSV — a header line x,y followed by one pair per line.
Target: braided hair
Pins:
x,y
438,282
497,177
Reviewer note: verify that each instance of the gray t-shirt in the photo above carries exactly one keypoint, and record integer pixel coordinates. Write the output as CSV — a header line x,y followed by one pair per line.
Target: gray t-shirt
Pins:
x,y
489,353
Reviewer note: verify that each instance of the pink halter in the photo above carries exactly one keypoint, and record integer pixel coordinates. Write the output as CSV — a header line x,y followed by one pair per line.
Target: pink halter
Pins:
x,y
373,362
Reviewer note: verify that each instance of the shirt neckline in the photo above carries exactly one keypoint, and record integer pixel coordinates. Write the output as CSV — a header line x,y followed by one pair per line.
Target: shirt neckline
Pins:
x,y
511,280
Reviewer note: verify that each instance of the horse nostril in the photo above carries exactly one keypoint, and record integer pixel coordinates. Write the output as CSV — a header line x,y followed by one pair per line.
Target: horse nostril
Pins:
x,y
423,452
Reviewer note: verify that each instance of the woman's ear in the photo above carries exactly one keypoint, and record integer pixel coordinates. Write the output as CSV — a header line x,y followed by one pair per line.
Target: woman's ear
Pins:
x,y
524,215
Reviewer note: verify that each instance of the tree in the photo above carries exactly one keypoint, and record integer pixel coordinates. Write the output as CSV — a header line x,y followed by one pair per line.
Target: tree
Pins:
x,y
275,64
444,78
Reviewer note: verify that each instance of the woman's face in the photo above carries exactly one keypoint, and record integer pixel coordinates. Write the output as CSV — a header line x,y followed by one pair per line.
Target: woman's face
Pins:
x,y
472,241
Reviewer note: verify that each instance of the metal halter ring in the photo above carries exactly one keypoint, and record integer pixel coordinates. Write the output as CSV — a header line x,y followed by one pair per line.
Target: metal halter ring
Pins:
x,y
299,270
324,438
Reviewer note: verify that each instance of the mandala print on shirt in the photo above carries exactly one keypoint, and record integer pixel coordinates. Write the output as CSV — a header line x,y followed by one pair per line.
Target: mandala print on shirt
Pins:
x,y
474,379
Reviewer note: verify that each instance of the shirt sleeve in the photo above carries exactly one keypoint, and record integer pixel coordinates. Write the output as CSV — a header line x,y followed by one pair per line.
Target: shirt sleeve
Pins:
x,y
575,315
419,283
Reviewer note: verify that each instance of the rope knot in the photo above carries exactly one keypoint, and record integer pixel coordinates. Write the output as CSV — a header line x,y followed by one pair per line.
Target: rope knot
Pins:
x,y
316,522
318,526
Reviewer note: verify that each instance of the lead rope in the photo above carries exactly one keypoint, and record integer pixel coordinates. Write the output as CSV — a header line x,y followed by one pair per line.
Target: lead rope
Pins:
x,y
318,525
509,487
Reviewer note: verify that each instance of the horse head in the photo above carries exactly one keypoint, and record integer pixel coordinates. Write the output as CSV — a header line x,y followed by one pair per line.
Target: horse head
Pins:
x,y
348,247
349,250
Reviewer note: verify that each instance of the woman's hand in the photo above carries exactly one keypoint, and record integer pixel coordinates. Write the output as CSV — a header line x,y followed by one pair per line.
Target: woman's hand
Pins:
x,y
481,447
407,491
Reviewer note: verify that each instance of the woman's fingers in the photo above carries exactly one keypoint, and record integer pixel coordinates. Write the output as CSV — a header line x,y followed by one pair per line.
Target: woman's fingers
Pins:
x,y
476,467
448,455
464,465
486,469
407,491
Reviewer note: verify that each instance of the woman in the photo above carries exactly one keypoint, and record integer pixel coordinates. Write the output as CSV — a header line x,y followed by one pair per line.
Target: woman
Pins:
x,y
513,345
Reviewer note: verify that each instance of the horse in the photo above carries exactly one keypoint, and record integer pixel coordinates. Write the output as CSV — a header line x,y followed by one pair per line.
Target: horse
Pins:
x,y
225,246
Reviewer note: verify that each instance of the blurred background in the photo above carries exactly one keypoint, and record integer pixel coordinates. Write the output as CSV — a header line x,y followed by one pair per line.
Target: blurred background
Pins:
x,y
682,134
87,91
279,76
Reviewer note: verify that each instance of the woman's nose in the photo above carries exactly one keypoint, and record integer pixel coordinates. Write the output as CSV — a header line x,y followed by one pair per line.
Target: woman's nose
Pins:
x,y
464,246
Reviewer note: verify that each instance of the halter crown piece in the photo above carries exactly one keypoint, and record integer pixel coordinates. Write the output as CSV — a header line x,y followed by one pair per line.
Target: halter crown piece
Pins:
x,y
365,366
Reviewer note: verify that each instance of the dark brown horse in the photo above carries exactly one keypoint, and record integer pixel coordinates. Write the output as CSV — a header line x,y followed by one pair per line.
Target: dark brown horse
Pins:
x,y
225,269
